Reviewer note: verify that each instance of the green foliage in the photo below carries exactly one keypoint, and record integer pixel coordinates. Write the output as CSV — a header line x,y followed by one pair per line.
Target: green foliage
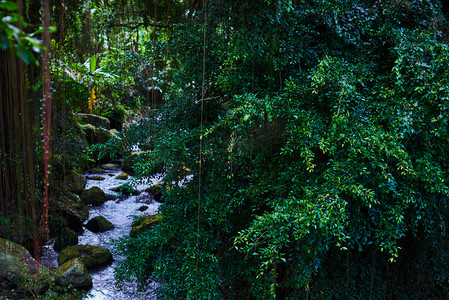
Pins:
x,y
13,36
314,134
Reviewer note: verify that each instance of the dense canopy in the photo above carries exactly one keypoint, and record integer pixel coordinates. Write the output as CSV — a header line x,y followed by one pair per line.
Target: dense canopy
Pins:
x,y
302,143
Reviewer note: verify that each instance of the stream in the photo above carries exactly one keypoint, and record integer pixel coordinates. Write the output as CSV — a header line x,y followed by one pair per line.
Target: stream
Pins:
x,y
118,212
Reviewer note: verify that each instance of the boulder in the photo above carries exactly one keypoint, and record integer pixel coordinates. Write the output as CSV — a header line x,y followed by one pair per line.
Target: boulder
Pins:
x,y
95,135
143,208
99,224
76,183
110,166
144,223
90,256
94,196
19,267
94,120
73,273
66,238
156,191
67,210
96,177
110,197
96,171
122,176
126,189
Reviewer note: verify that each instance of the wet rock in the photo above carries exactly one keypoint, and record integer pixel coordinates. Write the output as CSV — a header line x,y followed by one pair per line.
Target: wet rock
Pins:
x,y
19,267
96,177
95,135
67,210
66,238
76,183
110,197
99,224
156,191
144,223
73,273
94,120
110,166
122,176
94,196
96,171
90,256
143,208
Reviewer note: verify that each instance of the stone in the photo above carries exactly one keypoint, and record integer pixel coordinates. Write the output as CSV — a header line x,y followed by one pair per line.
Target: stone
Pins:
x,y
76,183
19,267
144,223
94,120
73,273
122,176
110,166
66,238
156,191
95,135
96,171
94,196
90,256
99,224
110,197
143,208
67,209
96,177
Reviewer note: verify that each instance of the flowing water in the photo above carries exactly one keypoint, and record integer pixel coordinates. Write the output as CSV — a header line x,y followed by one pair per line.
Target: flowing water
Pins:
x,y
118,212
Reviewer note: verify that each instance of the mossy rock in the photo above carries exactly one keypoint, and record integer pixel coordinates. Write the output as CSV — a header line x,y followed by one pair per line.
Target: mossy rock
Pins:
x,y
110,166
76,183
73,273
99,224
144,223
122,176
66,238
96,171
19,267
67,210
126,189
90,256
95,135
157,191
96,177
94,196
94,120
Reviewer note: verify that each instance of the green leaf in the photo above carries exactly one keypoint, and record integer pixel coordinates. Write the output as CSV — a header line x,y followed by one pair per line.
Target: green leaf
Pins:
x,y
24,54
93,63
8,5
4,43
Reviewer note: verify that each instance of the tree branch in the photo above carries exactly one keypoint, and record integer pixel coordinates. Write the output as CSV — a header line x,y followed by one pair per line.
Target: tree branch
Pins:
x,y
137,25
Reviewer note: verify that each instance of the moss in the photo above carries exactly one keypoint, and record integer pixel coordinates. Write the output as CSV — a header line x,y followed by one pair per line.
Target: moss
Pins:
x,y
96,171
91,256
144,223
99,224
96,177
122,176
94,196
67,238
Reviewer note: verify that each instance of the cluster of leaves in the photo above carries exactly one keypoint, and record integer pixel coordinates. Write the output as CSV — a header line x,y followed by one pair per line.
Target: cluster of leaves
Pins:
x,y
13,35
317,145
